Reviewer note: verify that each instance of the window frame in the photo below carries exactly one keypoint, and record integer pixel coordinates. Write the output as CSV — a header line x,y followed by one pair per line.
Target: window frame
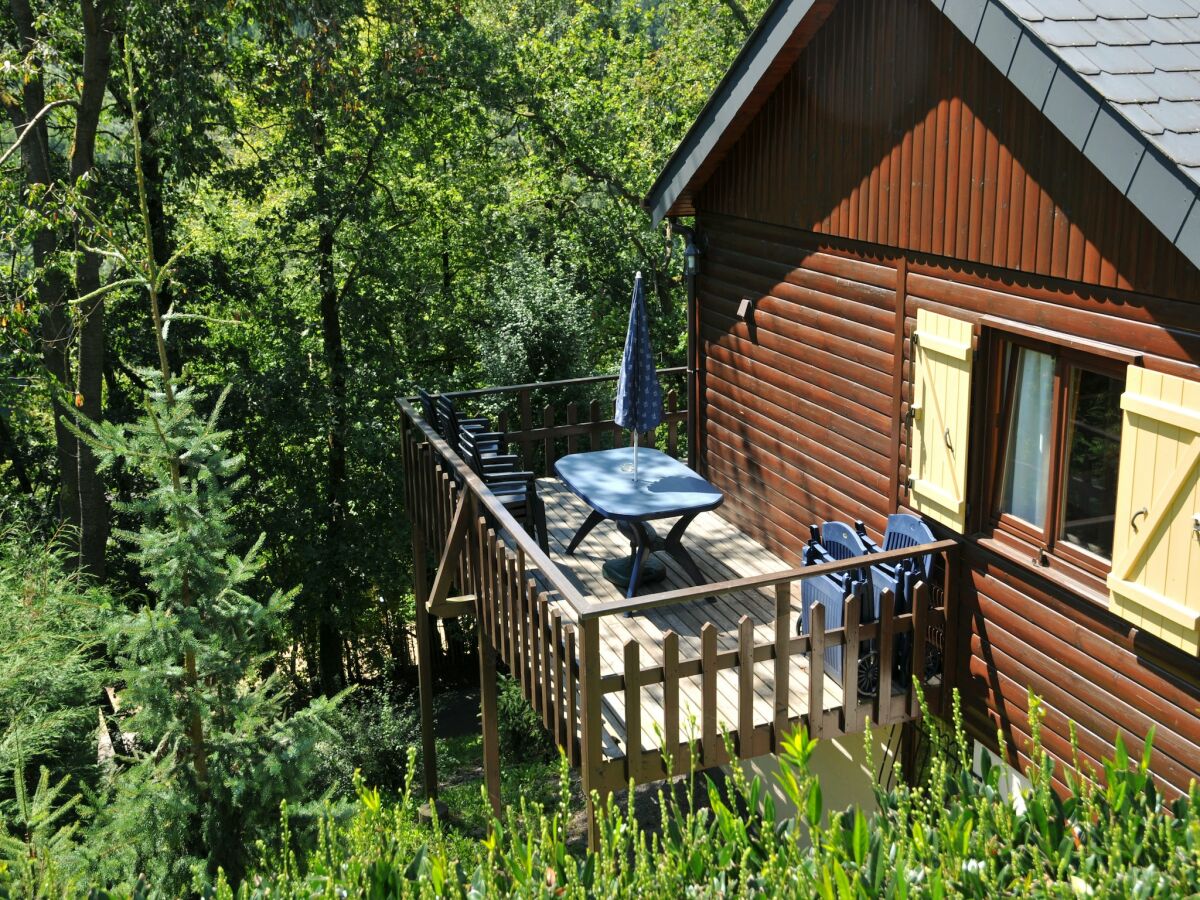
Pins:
x,y
1043,549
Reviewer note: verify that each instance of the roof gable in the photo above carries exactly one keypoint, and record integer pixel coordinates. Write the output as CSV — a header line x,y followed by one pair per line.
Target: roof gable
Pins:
x,y
765,58
1091,83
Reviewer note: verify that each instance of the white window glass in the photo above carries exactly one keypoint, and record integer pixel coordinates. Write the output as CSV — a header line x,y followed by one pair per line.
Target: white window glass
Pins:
x,y
1027,456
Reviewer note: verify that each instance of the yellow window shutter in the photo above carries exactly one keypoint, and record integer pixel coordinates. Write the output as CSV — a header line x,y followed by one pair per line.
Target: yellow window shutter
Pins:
x,y
941,377
1155,578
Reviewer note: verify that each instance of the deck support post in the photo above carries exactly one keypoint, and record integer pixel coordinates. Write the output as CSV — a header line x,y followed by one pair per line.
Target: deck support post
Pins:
x,y
489,720
908,746
424,663
591,760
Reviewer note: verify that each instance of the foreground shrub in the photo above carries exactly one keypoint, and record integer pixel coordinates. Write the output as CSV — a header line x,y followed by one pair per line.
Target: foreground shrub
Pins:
x,y
51,665
957,833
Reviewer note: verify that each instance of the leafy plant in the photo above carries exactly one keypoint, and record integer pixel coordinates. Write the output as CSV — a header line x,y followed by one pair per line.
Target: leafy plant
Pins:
x,y
956,833
51,661
522,735
37,841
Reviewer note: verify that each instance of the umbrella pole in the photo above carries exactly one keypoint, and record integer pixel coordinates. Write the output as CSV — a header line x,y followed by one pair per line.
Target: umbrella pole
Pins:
x,y
635,454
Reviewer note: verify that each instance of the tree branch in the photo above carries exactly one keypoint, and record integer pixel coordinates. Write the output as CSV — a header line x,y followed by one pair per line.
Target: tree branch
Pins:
x,y
28,127
740,14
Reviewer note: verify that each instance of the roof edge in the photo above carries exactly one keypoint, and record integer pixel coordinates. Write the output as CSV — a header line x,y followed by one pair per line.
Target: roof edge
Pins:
x,y
1093,124
766,42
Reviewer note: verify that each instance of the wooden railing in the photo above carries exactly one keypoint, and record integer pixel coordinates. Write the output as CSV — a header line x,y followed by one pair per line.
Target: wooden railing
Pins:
x,y
549,420
532,617
892,701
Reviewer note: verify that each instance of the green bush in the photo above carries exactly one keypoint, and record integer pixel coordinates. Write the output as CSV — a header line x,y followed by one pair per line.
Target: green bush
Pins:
x,y
954,834
51,665
376,729
522,735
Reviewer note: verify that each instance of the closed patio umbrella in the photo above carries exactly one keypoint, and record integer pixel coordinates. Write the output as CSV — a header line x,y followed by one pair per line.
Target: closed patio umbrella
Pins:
x,y
639,397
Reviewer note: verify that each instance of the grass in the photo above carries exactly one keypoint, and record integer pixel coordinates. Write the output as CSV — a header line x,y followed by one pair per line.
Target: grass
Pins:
x,y
534,783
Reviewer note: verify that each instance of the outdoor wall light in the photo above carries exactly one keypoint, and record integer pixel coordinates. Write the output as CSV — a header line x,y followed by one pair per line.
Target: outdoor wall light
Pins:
x,y
691,258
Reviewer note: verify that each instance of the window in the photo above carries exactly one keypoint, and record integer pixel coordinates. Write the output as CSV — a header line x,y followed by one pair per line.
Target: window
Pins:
x,y
1055,455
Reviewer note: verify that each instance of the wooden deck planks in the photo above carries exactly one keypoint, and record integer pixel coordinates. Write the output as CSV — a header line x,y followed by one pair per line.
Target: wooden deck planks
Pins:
x,y
721,551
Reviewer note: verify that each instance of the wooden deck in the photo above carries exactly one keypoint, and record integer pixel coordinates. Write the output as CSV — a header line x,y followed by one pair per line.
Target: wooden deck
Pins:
x,y
627,698
723,553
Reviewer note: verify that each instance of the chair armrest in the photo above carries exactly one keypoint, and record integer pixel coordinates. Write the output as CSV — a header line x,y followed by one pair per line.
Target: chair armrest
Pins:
x,y
502,477
501,460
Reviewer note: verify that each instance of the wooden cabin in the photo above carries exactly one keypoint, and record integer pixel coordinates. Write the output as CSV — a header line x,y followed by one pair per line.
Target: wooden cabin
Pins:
x,y
968,235
947,264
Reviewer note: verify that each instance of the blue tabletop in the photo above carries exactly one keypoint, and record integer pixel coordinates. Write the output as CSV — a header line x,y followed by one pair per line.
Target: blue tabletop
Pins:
x,y
665,486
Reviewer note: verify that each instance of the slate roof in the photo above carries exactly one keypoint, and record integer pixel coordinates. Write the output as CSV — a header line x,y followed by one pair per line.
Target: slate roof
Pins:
x,y
1119,78
1143,56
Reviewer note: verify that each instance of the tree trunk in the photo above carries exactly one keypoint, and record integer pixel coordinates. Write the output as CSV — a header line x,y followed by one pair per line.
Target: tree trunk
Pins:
x,y
332,675
93,505
52,284
10,448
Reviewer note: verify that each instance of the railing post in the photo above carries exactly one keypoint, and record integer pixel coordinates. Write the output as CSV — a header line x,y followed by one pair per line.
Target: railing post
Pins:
x,y
489,718
708,695
851,608
783,643
920,621
590,764
816,670
951,635
745,687
424,664
548,443
887,655
526,413
633,713
670,651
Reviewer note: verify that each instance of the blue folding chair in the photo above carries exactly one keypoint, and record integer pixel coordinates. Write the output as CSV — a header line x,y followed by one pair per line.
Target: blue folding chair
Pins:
x,y
833,541
514,488
429,409
453,424
903,530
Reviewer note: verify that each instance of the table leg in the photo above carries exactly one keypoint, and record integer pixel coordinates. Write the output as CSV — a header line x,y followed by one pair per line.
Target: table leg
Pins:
x,y
594,518
642,545
674,546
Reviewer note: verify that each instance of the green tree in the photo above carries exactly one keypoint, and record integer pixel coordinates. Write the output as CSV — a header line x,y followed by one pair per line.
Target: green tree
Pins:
x,y
219,744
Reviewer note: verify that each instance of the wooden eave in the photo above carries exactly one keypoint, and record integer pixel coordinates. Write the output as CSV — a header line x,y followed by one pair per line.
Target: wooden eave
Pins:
x,y
764,59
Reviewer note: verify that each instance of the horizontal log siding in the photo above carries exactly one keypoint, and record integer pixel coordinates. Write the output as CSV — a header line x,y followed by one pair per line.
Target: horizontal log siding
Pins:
x,y
797,396
794,439
1086,666
892,129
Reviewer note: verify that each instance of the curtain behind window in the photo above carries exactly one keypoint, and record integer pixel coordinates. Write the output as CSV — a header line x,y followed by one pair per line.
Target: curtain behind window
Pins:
x,y
1027,458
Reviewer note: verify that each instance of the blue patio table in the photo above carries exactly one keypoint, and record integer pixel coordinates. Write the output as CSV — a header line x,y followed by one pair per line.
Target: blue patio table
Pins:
x,y
665,488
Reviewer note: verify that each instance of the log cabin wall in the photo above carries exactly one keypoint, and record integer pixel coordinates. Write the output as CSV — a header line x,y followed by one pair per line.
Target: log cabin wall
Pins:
x,y
894,169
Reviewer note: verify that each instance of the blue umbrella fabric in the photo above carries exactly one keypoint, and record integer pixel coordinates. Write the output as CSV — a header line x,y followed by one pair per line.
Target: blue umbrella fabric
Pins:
x,y
639,397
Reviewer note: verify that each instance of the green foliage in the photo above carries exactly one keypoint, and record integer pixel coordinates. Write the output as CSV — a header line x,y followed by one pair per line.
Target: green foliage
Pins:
x,y
522,735
955,834
541,325
375,729
37,846
218,744
51,667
